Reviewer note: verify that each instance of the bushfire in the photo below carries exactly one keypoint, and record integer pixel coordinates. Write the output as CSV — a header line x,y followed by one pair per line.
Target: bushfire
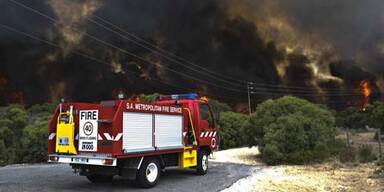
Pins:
x,y
366,90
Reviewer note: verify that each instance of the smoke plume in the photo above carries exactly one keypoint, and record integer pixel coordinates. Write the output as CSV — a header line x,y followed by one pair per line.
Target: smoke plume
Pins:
x,y
327,47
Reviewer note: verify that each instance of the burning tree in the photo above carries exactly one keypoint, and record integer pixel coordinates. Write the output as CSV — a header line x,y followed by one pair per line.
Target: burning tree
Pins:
x,y
366,90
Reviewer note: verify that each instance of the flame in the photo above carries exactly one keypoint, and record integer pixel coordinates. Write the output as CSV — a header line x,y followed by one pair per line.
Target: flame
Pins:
x,y
366,90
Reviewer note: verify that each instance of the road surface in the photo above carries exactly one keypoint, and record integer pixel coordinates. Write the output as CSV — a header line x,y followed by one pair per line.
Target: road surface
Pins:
x,y
59,177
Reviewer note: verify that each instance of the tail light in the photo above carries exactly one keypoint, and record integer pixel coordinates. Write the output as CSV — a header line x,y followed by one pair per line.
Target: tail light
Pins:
x,y
53,158
107,161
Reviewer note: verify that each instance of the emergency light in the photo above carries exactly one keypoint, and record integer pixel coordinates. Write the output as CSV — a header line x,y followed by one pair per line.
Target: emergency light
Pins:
x,y
180,96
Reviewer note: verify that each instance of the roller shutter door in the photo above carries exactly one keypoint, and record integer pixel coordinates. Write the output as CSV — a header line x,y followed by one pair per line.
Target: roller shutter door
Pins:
x,y
137,132
168,131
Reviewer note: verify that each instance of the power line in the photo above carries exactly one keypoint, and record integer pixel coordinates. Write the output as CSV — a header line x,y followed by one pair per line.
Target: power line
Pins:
x,y
318,91
161,51
262,85
108,64
167,52
127,52
99,60
202,70
145,60
78,53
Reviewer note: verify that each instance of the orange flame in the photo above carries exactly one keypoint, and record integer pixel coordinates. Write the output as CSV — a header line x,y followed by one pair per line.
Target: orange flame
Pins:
x,y
366,90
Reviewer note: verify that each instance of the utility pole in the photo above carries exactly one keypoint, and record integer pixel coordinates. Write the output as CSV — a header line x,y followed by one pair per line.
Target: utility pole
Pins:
x,y
379,140
249,97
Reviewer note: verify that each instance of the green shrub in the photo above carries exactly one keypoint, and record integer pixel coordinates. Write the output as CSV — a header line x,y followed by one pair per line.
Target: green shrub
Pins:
x,y
292,130
272,155
376,112
366,154
13,119
149,98
23,133
352,118
338,145
232,129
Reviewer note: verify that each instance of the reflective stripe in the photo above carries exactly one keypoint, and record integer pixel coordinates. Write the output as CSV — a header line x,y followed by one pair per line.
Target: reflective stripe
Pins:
x,y
118,136
214,134
141,161
206,134
202,134
99,137
108,136
51,136
210,134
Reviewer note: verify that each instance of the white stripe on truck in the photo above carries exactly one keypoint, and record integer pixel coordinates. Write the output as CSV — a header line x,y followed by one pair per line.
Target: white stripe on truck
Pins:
x,y
51,136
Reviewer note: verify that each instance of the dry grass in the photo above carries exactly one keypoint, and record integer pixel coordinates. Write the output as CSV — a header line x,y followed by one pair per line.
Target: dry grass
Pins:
x,y
330,176
321,177
244,155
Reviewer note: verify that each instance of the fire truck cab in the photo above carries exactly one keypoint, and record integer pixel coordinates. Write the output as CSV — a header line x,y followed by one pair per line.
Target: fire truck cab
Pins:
x,y
132,139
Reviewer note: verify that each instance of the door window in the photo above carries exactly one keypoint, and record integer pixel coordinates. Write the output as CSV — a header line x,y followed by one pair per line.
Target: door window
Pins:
x,y
206,115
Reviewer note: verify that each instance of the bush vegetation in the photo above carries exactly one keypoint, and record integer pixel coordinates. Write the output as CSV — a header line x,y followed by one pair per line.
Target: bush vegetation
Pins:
x,y
376,114
292,130
352,118
287,130
233,127
23,133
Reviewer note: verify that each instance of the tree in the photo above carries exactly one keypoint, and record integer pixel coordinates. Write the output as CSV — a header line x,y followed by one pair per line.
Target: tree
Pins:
x,y
218,106
292,130
352,118
23,133
232,129
13,119
34,141
149,98
376,115
34,137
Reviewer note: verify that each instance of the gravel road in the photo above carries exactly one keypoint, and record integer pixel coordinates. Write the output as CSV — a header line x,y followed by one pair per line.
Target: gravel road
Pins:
x,y
59,177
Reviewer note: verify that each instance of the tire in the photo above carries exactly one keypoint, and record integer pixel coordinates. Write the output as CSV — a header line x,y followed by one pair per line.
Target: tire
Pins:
x,y
95,178
202,162
149,173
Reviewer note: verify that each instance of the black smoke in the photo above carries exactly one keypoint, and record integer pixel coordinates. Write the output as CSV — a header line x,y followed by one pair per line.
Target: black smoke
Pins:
x,y
200,31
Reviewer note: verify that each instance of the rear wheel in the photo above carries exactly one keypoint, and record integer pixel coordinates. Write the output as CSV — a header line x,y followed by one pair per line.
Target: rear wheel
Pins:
x,y
149,173
202,162
95,178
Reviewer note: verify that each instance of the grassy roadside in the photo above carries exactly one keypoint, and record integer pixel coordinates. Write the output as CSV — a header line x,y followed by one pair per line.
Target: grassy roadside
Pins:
x,y
327,176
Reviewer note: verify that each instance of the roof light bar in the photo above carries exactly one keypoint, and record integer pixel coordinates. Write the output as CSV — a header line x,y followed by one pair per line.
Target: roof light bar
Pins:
x,y
179,96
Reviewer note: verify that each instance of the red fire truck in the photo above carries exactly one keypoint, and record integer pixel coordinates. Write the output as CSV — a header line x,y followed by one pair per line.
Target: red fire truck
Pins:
x,y
132,139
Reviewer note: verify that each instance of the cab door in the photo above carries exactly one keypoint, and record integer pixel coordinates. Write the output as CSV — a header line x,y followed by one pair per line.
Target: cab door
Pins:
x,y
208,128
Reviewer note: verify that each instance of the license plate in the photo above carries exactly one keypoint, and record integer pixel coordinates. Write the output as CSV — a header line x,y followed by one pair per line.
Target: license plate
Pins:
x,y
80,160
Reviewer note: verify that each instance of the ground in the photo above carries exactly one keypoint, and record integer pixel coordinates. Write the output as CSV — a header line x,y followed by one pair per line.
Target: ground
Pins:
x,y
59,177
329,176
230,170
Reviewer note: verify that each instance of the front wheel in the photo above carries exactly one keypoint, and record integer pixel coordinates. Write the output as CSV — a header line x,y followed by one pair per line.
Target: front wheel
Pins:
x,y
149,173
202,162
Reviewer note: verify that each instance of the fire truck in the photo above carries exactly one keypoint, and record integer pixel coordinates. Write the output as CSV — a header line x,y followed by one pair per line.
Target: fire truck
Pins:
x,y
133,140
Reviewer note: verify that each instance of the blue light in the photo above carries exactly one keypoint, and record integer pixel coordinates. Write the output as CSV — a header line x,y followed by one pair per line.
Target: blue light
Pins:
x,y
183,96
